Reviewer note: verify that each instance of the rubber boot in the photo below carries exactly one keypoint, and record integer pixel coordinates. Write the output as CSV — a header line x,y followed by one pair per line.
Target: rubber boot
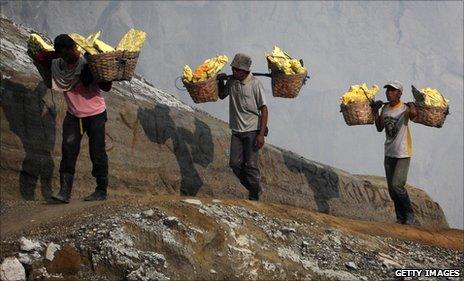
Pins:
x,y
47,191
66,181
399,212
407,211
410,220
27,184
100,193
254,193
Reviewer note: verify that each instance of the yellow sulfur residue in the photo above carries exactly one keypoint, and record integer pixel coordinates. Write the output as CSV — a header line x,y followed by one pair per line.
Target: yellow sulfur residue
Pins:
x,y
36,44
132,41
433,98
359,93
209,68
279,61
83,44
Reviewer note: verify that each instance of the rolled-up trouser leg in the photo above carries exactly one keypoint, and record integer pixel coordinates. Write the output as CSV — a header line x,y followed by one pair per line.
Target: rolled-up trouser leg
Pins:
x,y
236,158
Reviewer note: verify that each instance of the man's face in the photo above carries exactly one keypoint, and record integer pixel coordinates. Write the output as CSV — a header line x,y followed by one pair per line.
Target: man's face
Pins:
x,y
393,94
70,56
239,74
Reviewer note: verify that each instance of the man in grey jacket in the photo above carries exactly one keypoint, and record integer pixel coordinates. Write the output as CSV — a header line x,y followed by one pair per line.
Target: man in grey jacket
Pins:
x,y
248,121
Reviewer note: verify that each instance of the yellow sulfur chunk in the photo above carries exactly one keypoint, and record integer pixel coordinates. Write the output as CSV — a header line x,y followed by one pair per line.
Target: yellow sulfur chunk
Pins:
x,y
359,93
102,46
36,44
92,37
94,41
83,43
280,61
188,74
209,68
433,98
132,41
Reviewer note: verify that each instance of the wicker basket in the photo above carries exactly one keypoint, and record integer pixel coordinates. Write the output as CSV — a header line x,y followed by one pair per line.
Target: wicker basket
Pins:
x,y
113,66
432,116
287,86
358,113
204,91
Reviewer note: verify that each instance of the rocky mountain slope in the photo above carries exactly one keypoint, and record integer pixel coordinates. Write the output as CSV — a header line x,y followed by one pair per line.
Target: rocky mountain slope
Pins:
x,y
172,238
158,147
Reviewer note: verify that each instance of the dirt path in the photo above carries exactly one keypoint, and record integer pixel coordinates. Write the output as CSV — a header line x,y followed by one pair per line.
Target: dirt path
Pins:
x,y
34,217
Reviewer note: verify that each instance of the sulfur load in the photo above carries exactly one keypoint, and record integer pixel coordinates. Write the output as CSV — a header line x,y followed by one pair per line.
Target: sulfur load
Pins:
x,y
430,97
36,44
132,41
280,62
209,68
359,93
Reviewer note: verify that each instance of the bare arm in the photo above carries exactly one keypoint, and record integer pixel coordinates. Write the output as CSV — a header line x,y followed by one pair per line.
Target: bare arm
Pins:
x,y
378,120
262,129
412,110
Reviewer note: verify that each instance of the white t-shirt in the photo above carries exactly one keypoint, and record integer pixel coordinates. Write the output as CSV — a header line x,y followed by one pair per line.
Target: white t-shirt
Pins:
x,y
398,143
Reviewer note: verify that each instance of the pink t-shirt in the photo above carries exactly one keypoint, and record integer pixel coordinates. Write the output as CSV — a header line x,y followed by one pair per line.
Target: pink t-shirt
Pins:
x,y
85,101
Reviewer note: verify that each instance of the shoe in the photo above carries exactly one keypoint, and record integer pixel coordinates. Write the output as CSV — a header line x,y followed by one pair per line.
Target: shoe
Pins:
x,y
98,195
254,196
100,191
410,220
66,181
47,192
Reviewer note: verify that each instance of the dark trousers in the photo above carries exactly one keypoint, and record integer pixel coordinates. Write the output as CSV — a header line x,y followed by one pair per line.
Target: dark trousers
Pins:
x,y
244,159
396,170
94,126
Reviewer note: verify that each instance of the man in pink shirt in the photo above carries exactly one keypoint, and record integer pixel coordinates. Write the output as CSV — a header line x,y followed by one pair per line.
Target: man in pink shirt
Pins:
x,y
86,113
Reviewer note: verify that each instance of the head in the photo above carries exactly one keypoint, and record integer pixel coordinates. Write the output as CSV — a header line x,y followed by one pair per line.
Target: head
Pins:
x,y
66,48
393,91
241,66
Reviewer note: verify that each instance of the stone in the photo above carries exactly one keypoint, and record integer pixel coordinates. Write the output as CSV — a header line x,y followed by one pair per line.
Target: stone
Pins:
x,y
51,249
12,270
24,259
28,245
193,202
67,261
149,213
288,230
388,263
213,271
351,265
171,221
336,239
36,256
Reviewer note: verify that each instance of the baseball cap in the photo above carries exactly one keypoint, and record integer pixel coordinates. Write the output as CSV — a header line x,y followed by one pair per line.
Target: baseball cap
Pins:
x,y
241,61
394,84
